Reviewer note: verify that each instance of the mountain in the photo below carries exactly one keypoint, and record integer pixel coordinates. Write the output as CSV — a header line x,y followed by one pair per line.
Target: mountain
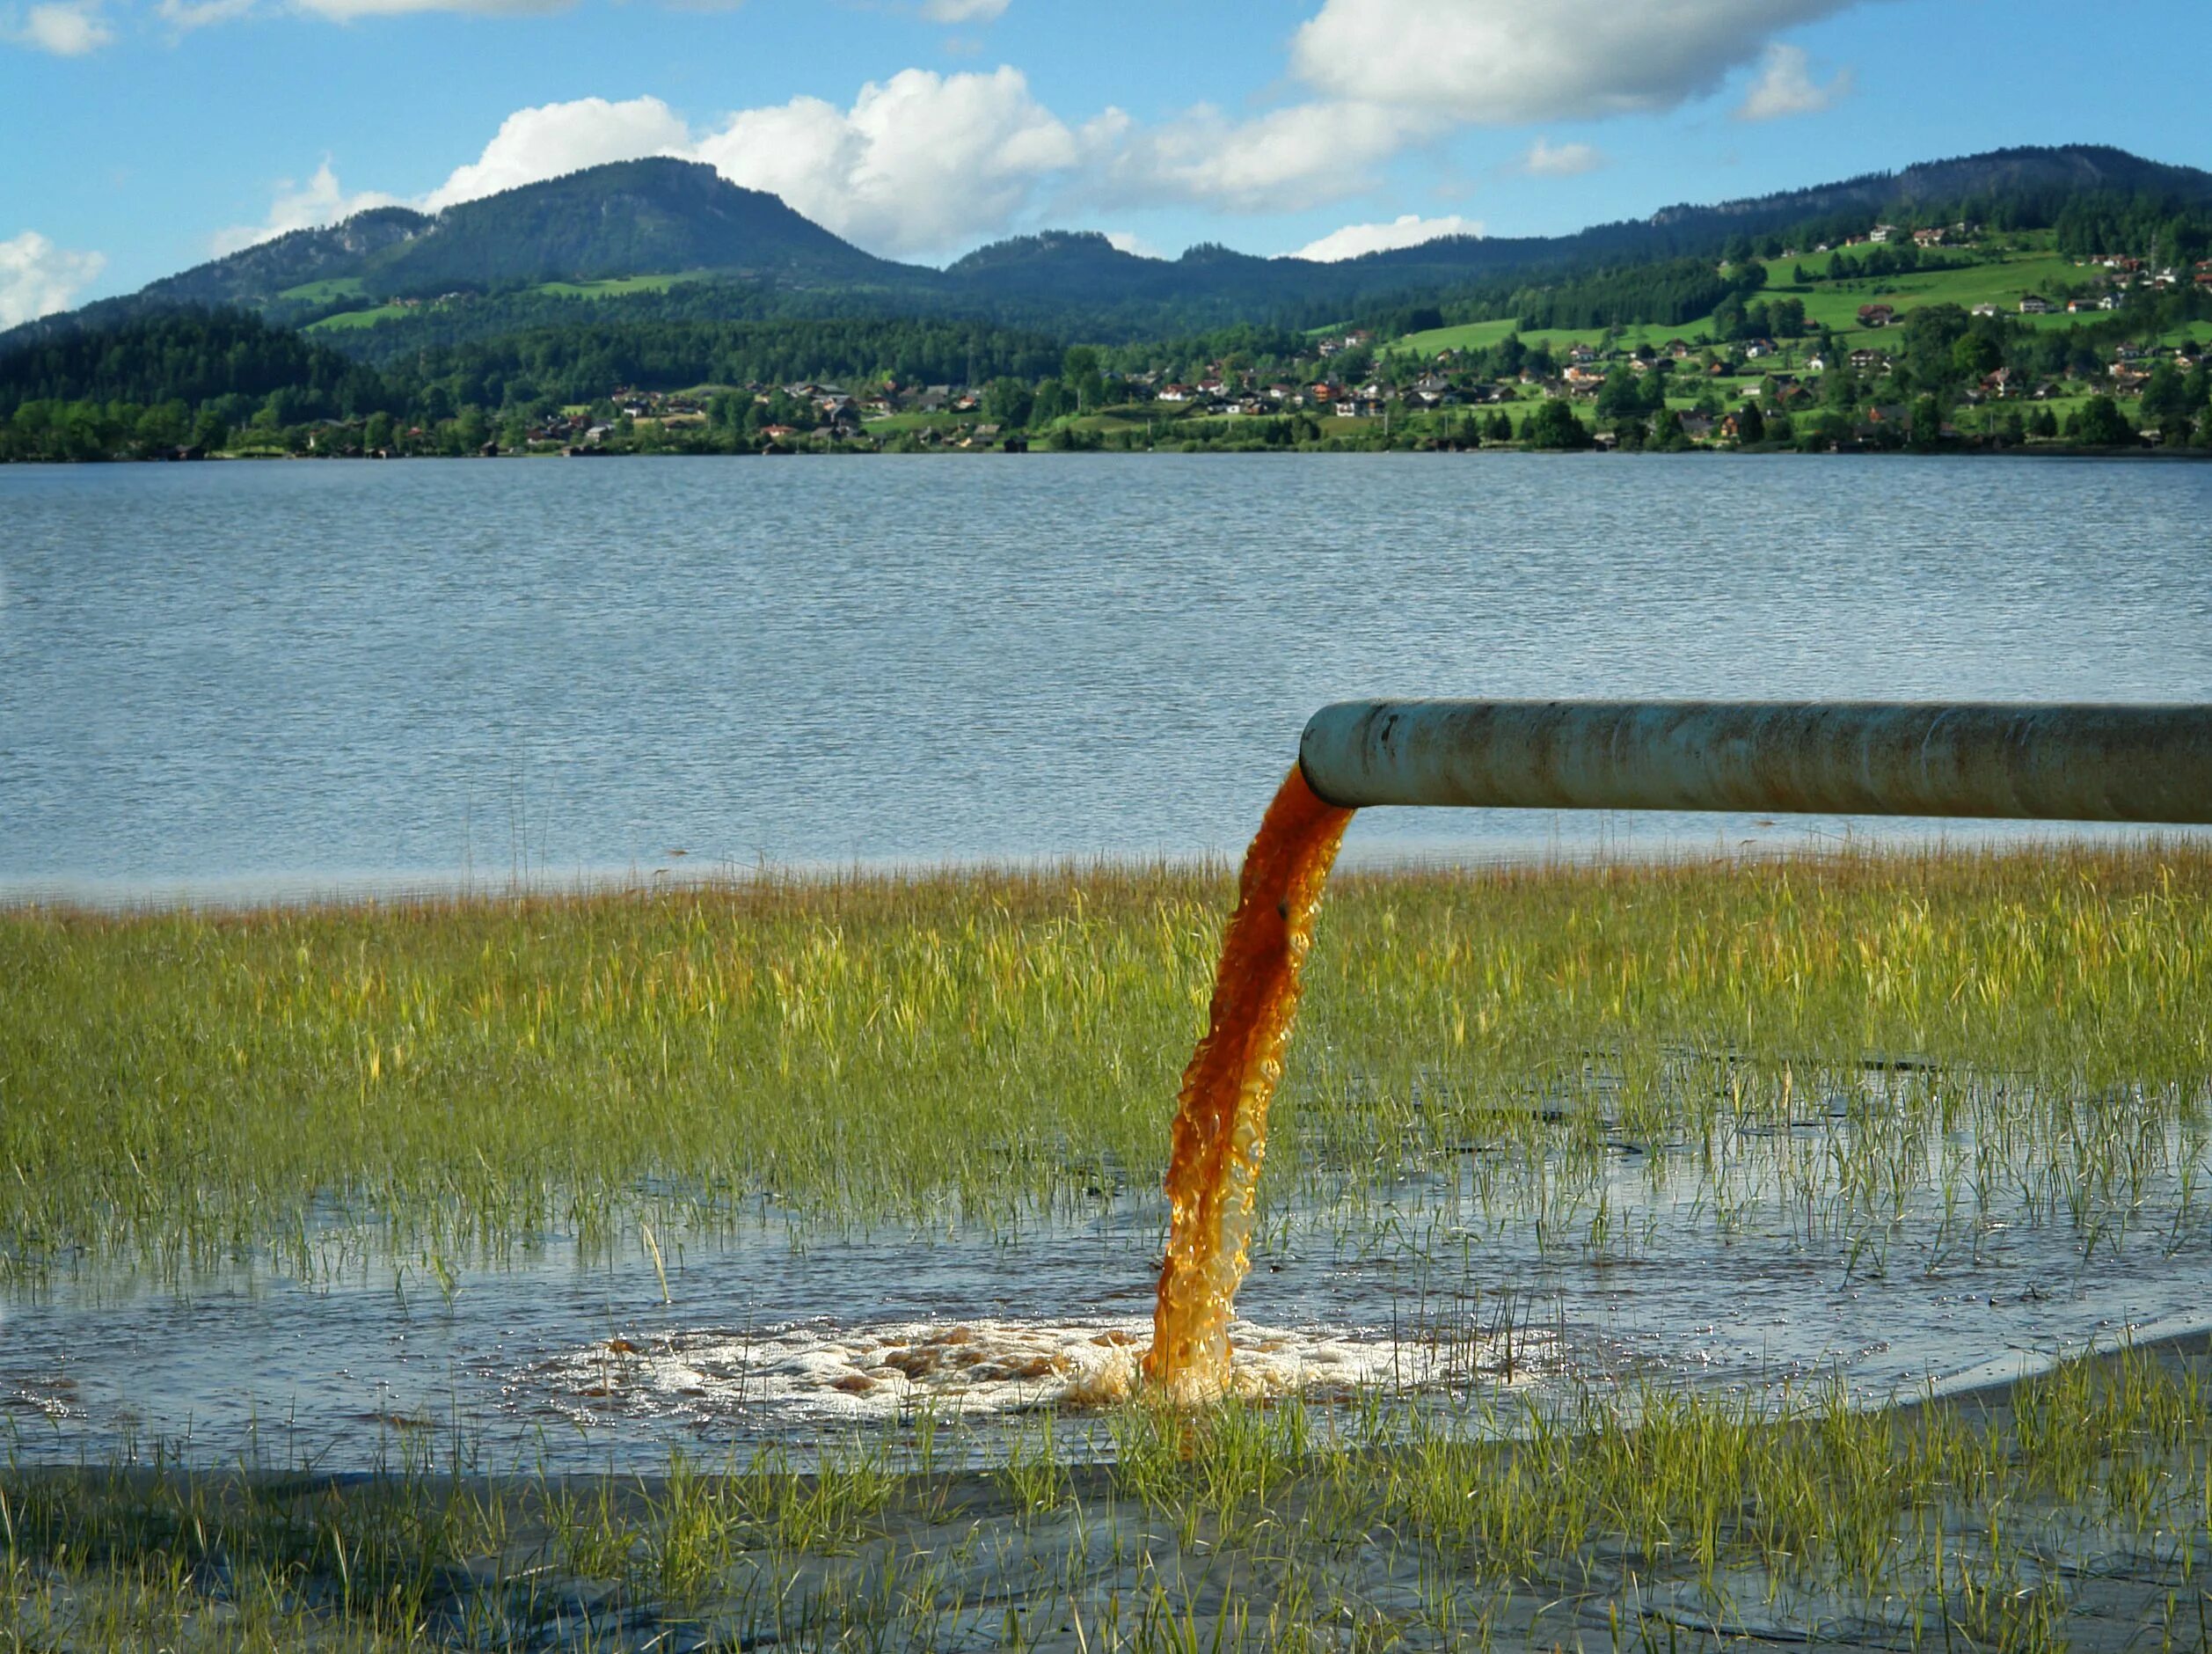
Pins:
x,y
625,218
747,256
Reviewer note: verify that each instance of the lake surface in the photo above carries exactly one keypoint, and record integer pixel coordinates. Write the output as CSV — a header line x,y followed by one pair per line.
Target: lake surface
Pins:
x,y
252,680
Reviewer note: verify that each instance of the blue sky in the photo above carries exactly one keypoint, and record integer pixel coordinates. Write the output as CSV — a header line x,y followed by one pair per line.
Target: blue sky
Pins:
x,y
149,134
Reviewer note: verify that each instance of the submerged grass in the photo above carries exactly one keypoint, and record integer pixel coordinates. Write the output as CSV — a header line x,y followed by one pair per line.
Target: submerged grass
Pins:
x,y
181,1087
2073,1508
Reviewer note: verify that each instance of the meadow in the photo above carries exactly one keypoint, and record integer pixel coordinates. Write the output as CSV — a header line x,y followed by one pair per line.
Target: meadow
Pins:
x,y
1971,1040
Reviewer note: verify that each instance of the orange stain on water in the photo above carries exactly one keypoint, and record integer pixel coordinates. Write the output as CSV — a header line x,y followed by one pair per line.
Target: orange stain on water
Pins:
x,y
1220,1122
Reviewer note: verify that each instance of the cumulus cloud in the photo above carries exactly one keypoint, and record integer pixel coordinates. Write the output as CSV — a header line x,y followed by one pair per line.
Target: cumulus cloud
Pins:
x,y
1547,159
183,15
1282,161
67,28
38,278
1505,62
919,163
1408,231
534,144
1785,86
1129,241
962,11
320,200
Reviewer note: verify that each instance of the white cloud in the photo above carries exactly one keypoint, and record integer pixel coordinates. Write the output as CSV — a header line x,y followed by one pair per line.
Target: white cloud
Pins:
x,y
38,278
320,200
198,14
1501,62
346,10
1786,87
533,144
962,11
1409,230
67,28
1129,241
921,163
1547,159
1282,161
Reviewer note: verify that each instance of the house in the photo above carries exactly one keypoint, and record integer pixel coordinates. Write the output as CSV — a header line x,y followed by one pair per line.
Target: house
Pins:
x,y
2078,306
1582,353
1881,233
1866,359
1678,348
1985,308
1887,413
1877,315
1697,427
1759,347
1175,393
2035,304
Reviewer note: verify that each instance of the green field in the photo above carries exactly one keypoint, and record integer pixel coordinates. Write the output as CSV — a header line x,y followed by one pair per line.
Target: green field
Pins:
x,y
322,292
347,319
615,287
1479,335
2001,280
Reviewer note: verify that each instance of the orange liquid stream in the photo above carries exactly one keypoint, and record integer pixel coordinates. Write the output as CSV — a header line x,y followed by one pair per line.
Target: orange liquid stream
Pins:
x,y
1220,1122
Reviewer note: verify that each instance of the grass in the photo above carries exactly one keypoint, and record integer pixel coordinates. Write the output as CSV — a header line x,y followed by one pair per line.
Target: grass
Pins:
x,y
344,319
322,292
1997,276
184,1086
2027,1031
2073,1508
615,286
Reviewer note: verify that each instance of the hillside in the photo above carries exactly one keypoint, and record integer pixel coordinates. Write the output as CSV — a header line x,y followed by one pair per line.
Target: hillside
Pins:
x,y
631,234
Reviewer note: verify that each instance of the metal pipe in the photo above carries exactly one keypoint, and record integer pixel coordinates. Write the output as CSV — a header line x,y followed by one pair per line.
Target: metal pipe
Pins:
x,y
2049,762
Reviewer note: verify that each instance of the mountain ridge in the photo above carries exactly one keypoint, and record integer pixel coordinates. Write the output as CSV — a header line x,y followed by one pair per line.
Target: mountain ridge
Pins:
x,y
670,216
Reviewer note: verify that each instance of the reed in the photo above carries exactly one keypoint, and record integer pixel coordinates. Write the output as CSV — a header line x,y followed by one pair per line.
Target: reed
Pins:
x,y
456,1078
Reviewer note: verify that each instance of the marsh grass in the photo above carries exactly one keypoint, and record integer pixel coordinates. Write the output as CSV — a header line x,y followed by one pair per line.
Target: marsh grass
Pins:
x,y
456,1080
2073,1507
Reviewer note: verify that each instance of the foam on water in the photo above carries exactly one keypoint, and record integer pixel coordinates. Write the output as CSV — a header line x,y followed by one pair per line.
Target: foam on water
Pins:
x,y
979,1368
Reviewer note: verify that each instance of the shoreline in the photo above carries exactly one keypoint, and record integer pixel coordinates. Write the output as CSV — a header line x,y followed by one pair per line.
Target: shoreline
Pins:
x,y
369,890
1951,450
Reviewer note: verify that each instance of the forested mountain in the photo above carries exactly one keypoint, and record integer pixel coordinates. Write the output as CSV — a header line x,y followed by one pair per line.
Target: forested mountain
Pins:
x,y
747,256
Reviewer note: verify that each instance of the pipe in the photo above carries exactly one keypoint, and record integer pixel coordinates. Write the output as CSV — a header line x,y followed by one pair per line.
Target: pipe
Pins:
x,y
2047,762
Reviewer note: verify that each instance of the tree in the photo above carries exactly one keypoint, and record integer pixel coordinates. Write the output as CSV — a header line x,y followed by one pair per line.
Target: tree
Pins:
x,y
2100,425
1976,354
1927,422
1553,425
1751,425
1007,401
2161,395
1619,396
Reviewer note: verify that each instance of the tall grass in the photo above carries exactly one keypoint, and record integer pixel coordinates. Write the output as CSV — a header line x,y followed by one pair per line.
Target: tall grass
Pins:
x,y
177,1088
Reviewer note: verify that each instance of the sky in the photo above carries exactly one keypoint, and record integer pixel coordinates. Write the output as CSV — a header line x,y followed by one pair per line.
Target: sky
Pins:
x,y
148,135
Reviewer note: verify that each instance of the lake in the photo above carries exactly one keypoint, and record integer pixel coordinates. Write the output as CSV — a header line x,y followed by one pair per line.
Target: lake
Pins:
x,y
241,679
